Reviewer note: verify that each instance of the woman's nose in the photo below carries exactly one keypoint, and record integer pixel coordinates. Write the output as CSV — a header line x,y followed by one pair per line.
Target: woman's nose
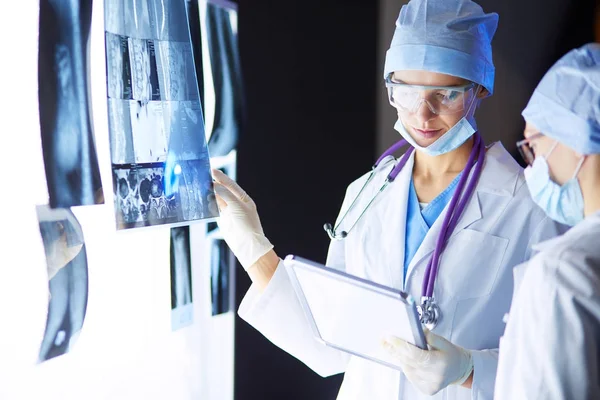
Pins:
x,y
424,112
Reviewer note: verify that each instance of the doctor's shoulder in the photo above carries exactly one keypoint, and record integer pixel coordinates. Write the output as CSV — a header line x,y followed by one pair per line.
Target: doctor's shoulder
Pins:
x,y
565,278
573,257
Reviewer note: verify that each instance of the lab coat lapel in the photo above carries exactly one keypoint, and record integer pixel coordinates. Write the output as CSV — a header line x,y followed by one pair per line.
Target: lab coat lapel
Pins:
x,y
471,213
497,178
394,225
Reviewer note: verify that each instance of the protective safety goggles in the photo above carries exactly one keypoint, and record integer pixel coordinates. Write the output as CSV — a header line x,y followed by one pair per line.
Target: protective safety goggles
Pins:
x,y
441,100
527,151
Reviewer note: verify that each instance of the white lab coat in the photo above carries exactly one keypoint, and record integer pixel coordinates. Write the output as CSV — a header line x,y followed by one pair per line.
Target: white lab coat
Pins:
x,y
473,286
551,347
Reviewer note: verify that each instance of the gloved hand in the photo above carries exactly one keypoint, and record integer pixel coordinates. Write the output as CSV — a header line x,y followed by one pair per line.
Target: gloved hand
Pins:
x,y
239,222
431,370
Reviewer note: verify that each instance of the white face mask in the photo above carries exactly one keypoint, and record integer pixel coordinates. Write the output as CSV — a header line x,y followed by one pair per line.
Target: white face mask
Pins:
x,y
564,203
449,141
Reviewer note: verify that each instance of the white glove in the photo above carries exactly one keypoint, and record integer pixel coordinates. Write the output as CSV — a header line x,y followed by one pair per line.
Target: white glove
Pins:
x,y
239,222
431,370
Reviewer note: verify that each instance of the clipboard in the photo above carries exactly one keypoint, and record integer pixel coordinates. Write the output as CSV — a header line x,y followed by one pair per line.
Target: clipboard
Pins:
x,y
352,314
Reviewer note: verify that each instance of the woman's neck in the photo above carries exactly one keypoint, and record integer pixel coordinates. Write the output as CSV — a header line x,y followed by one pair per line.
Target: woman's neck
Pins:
x,y
592,200
437,166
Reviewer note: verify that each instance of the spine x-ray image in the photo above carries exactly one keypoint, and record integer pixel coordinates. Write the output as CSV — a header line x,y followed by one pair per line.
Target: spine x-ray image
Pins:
x,y
70,159
221,28
181,278
147,195
160,161
66,262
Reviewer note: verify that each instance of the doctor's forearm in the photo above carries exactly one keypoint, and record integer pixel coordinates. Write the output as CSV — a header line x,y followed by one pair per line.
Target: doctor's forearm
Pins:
x,y
263,270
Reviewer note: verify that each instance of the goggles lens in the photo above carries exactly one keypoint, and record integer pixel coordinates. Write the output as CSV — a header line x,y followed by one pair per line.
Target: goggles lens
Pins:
x,y
527,151
441,100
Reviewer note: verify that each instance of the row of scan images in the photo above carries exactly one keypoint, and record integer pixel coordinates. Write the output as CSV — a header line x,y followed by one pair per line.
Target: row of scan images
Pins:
x,y
174,97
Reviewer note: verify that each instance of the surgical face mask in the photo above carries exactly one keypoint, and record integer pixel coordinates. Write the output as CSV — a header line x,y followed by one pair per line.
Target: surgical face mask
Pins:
x,y
564,203
449,141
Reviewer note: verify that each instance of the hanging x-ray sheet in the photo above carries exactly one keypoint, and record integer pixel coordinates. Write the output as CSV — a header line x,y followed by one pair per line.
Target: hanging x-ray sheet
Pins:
x,y
68,279
160,162
181,278
222,270
222,262
221,74
70,159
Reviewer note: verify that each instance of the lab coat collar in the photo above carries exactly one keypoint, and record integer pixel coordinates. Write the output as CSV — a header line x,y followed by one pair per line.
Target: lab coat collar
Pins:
x,y
501,172
499,177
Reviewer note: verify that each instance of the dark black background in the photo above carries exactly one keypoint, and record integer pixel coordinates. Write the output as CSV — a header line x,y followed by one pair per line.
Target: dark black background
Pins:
x,y
310,77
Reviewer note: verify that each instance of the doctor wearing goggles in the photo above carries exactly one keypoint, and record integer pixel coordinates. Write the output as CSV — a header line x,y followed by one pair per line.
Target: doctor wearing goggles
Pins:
x,y
552,353
445,222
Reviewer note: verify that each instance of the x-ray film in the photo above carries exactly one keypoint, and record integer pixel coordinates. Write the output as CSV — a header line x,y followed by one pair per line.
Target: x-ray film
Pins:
x,y
156,123
181,278
70,159
219,72
221,28
222,270
141,198
66,263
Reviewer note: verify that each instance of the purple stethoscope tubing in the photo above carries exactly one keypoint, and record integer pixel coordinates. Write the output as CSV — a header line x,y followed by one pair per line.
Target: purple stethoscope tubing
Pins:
x,y
429,311
398,167
454,211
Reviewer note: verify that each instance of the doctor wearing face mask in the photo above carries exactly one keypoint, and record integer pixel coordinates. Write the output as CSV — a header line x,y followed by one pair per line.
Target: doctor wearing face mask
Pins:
x,y
445,223
551,348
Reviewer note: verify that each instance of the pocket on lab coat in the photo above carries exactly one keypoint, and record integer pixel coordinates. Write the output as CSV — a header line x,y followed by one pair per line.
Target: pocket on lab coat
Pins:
x,y
469,265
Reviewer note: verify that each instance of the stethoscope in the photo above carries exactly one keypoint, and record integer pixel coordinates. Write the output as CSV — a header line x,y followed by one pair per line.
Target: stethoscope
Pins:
x,y
429,311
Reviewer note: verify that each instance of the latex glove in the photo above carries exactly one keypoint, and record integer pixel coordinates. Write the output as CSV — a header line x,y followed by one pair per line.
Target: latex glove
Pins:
x,y
239,222
431,370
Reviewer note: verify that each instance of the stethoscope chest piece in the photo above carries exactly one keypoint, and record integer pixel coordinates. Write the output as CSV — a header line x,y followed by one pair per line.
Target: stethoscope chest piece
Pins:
x,y
429,312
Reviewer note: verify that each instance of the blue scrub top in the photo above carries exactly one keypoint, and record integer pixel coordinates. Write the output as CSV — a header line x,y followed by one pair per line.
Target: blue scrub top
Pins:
x,y
419,221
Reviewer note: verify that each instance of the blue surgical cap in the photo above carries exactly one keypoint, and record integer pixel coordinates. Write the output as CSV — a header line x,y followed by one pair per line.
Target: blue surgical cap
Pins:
x,y
451,37
566,104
